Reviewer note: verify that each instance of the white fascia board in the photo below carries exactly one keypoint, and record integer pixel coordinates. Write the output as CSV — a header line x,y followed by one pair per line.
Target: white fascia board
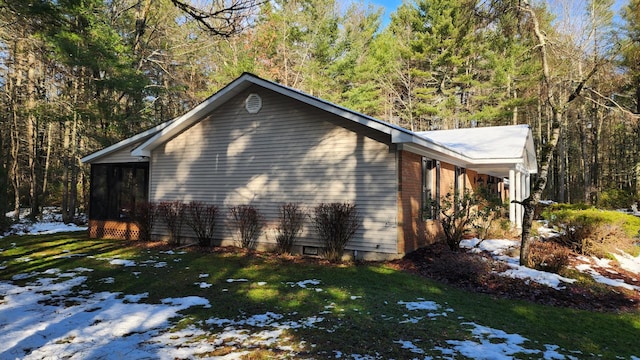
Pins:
x,y
430,148
420,145
491,161
365,120
238,85
190,118
436,154
119,145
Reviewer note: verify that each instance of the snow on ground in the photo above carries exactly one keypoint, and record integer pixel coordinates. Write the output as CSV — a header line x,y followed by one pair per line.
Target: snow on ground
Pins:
x,y
51,223
628,262
500,248
46,319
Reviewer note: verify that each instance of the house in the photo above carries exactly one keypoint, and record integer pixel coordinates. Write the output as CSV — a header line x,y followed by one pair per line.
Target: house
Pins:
x,y
256,142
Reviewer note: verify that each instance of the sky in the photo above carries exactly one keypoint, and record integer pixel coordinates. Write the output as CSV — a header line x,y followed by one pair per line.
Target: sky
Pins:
x,y
560,7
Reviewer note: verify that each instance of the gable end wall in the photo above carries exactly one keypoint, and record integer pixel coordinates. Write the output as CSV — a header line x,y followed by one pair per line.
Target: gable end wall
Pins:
x,y
287,152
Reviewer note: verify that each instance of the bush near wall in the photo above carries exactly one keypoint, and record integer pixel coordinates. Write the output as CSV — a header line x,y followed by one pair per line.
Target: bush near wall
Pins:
x,y
336,223
290,223
248,223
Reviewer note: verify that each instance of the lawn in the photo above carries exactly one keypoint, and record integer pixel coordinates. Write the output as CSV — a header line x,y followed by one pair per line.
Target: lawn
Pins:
x,y
64,295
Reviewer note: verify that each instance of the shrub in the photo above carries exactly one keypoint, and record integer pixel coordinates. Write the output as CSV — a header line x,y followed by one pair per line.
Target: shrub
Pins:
x,y
549,256
248,222
463,268
289,227
172,212
201,219
615,199
144,215
576,232
489,209
336,224
591,231
457,215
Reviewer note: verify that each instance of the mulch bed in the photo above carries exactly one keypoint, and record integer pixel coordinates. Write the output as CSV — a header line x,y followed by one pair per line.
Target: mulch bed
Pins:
x,y
478,272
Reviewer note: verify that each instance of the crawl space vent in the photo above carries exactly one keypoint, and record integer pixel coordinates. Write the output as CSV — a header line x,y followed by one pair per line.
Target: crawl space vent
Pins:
x,y
253,104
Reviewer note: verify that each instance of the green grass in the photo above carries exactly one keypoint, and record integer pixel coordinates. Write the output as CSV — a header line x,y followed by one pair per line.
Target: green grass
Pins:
x,y
358,304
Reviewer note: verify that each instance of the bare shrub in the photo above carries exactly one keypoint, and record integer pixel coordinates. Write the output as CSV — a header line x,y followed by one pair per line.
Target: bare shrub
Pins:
x,y
248,222
549,256
576,232
289,227
201,218
336,224
144,215
458,267
606,239
172,212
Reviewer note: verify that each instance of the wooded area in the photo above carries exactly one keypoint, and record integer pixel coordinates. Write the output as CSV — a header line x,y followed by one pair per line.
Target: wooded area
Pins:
x,y
76,76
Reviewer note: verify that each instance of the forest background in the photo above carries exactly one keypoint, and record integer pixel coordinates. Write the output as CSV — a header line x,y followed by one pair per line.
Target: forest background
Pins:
x,y
78,75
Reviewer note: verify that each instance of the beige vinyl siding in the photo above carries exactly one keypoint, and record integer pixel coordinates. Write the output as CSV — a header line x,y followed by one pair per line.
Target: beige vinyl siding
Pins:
x,y
119,156
288,152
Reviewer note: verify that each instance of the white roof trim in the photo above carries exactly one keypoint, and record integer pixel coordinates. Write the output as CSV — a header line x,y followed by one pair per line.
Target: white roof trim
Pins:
x,y
245,80
126,142
435,144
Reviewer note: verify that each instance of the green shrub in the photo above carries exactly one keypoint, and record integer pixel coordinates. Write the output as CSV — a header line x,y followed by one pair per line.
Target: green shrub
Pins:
x,y
336,224
592,231
289,227
489,210
248,222
615,199
457,216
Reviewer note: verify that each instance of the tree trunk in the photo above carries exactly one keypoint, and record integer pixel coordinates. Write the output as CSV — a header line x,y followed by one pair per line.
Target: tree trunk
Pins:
x,y
557,108
585,163
32,133
562,168
532,201
47,160
15,142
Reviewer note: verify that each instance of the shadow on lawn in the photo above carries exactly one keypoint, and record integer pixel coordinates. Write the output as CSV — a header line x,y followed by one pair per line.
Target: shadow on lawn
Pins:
x,y
41,252
361,314
356,309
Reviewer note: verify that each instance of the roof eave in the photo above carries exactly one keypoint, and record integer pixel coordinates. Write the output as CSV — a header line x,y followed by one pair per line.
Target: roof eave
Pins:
x,y
244,81
121,144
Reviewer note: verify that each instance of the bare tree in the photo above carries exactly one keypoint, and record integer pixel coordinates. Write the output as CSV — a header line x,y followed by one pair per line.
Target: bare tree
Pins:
x,y
558,104
220,17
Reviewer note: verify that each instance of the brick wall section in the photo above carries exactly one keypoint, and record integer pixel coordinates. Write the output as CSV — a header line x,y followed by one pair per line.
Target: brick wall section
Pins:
x,y
413,233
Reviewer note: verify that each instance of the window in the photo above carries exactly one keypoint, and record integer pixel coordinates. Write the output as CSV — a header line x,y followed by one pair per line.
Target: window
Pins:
x,y
460,182
430,188
116,189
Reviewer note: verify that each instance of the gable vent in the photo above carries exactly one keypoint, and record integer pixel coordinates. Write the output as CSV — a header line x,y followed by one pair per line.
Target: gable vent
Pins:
x,y
253,104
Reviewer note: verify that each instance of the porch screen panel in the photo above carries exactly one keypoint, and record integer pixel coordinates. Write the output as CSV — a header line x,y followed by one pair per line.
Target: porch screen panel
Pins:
x,y
116,189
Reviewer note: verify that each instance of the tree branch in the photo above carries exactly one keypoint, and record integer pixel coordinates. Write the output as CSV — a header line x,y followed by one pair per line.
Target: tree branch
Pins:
x,y
222,19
